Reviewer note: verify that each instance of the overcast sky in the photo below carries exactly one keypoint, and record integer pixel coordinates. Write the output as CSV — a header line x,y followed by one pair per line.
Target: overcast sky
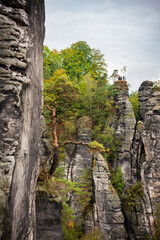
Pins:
x,y
127,32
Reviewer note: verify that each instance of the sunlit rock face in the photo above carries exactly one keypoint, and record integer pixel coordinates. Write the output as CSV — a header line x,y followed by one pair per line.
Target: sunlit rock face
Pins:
x,y
21,66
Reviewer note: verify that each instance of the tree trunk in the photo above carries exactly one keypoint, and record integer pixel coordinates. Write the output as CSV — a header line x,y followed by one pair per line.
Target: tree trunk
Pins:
x,y
55,139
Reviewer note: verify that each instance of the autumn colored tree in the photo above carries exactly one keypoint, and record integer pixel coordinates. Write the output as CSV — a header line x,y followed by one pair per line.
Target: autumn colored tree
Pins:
x,y
59,94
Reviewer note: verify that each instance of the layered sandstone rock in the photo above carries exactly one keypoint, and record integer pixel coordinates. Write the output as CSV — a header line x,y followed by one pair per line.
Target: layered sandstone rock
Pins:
x,y
21,65
124,125
145,163
108,205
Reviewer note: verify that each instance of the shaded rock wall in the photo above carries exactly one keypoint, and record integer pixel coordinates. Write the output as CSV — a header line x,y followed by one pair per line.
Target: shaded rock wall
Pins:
x,y
48,216
21,65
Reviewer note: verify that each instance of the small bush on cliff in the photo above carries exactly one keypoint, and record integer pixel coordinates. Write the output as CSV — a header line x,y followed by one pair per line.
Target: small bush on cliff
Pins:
x,y
132,193
108,139
117,181
95,234
134,99
96,147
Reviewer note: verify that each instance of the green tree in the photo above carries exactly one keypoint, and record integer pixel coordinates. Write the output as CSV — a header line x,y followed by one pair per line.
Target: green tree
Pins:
x,y
87,88
80,59
51,62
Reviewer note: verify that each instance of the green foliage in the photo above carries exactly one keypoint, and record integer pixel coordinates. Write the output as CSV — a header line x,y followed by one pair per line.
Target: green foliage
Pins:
x,y
117,181
87,88
133,192
108,139
68,226
96,147
95,234
80,59
51,62
134,99
62,154
84,192
61,90
80,88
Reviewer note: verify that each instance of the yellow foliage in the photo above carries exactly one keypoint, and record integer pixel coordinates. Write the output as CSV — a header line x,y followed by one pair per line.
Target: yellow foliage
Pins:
x,y
71,224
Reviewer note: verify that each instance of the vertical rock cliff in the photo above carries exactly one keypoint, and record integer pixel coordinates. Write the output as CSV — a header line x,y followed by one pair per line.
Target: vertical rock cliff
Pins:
x,y
124,126
145,168
21,66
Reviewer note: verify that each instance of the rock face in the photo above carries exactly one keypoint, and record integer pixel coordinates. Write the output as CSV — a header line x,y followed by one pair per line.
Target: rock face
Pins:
x,y
145,91
48,219
107,203
48,207
124,126
145,163
21,65
78,157
150,170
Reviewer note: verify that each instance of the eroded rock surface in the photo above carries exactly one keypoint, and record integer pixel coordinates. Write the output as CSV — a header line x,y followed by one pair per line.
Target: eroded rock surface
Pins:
x,y
21,65
125,126
108,205
145,163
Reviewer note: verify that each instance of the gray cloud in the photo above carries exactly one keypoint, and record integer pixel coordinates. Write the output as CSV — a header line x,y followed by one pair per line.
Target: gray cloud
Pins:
x,y
126,32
